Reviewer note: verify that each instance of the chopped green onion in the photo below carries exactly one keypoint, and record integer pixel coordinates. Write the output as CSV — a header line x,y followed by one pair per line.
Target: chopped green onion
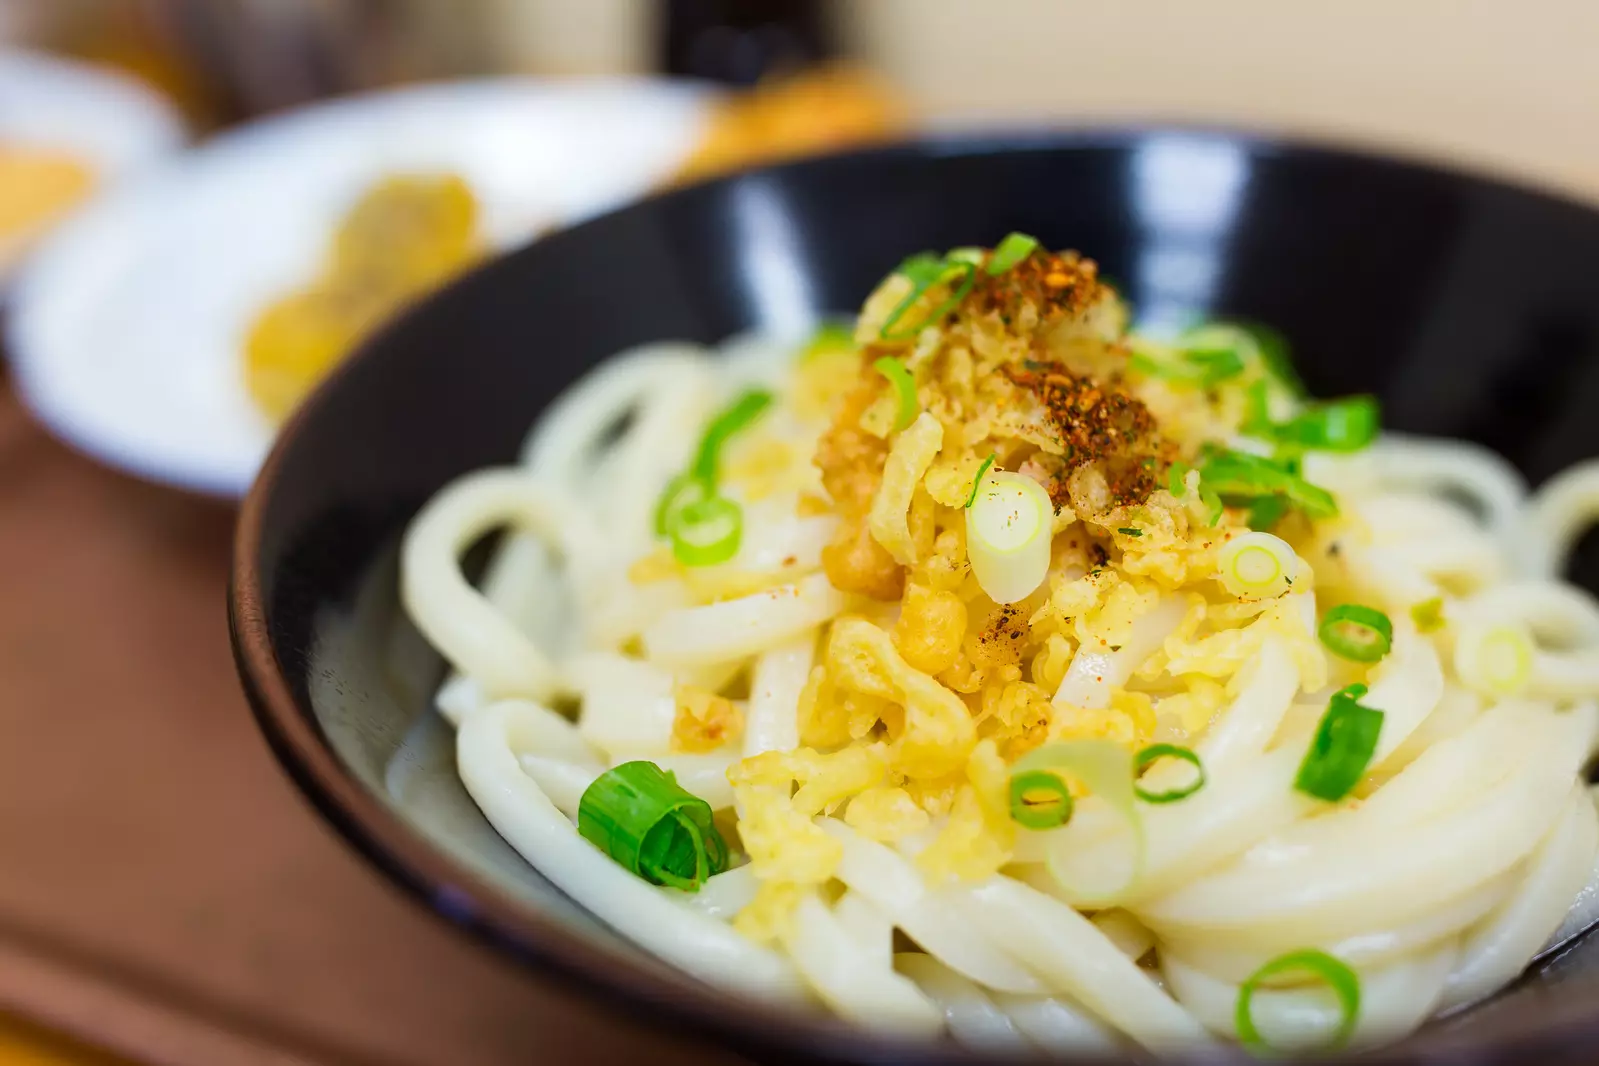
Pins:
x,y
904,387
1130,531
1010,251
1039,799
1009,528
1257,411
1336,974
1494,659
1342,748
707,532
1253,343
681,491
925,271
1213,505
1428,615
1156,752
638,815
1267,511
1257,565
697,485
978,480
1177,479
1275,356
1346,425
830,336
1215,365
740,413
1203,368
1238,475
1103,768
1359,634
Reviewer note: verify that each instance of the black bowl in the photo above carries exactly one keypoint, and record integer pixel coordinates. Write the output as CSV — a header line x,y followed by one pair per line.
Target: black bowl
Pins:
x,y
1471,307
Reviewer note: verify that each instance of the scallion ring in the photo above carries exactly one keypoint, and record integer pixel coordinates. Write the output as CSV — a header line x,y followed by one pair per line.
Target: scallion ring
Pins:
x,y
1357,633
1428,615
638,815
681,491
1257,566
1009,252
1346,425
924,272
1156,752
971,497
904,386
1495,659
1335,973
1039,799
1009,529
737,415
1104,771
707,532
1177,479
1342,748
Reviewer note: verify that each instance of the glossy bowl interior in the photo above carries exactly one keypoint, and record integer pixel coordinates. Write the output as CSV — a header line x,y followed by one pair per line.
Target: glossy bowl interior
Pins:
x,y
1470,307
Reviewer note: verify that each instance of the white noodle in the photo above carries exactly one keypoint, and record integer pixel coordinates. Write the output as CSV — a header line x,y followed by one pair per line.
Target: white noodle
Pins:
x,y
970,1015
487,746
469,631
1394,1000
1560,512
1094,674
1458,858
1495,953
780,675
734,629
852,980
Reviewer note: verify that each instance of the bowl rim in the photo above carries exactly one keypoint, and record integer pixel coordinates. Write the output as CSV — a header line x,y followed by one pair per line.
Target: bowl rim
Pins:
x,y
490,915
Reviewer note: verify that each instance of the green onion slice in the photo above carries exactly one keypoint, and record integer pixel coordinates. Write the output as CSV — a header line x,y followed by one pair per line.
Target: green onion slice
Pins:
x,y
904,386
707,532
737,415
1267,511
926,270
681,491
1213,505
1241,476
1156,752
971,497
1342,748
830,336
1177,479
1039,799
1203,367
1252,342
1357,633
1333,972
1010,251
1346,425
1257,411
1428,615
638,815
698,483
1105,770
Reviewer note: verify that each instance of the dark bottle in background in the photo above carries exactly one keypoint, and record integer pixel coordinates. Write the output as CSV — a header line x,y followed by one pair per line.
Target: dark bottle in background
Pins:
x,y
741,42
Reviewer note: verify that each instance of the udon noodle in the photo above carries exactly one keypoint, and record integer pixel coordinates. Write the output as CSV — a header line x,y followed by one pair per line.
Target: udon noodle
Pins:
x,y
1045,685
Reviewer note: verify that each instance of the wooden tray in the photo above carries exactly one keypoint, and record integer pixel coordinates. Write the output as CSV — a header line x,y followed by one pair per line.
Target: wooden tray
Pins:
x,y
164,894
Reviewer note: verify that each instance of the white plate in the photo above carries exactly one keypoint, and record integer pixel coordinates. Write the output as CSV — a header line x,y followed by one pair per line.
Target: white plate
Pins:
x,y
113,123
127,329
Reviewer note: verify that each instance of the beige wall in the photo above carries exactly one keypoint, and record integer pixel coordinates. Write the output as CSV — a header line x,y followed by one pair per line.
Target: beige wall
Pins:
x,y
1512,83
1506,83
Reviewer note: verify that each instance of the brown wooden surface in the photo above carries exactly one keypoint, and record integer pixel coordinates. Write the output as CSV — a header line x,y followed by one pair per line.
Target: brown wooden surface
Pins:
x,y
163,891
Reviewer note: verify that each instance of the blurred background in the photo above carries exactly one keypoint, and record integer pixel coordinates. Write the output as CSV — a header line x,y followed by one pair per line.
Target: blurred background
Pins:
x,y
189,241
